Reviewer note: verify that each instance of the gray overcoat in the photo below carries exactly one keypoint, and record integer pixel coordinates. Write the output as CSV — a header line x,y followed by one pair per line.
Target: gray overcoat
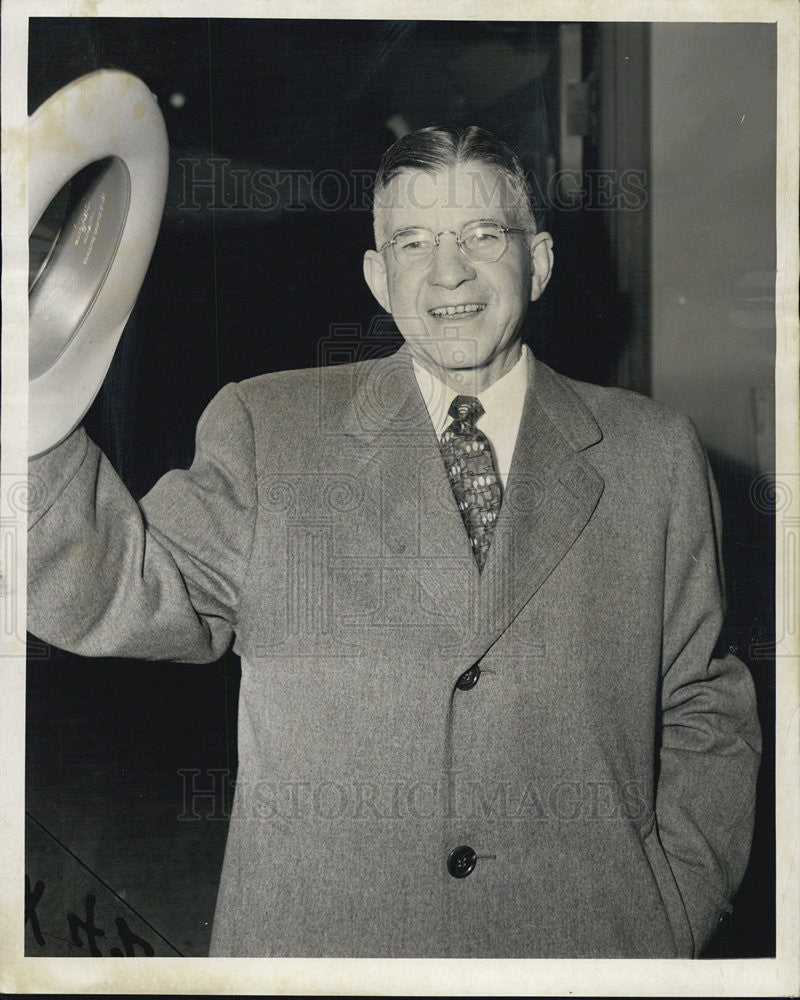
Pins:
x,y
548,759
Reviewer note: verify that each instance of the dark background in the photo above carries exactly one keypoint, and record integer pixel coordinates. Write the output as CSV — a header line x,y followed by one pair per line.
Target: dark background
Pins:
x,y
235,289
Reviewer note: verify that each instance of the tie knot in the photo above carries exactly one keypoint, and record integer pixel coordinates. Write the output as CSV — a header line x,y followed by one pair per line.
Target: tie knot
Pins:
x,y
466,409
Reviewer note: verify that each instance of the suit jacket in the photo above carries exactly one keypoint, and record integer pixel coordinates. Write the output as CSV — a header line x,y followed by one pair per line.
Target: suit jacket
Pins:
x,y
563,716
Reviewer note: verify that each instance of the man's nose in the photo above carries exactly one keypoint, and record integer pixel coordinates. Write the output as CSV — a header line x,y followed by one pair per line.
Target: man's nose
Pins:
x,y
449,266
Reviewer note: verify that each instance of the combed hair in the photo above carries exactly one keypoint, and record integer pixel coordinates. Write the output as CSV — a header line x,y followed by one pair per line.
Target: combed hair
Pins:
x,y
435,148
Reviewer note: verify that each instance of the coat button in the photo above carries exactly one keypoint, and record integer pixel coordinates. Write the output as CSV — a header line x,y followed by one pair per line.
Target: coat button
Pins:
x,y
461,861
469,678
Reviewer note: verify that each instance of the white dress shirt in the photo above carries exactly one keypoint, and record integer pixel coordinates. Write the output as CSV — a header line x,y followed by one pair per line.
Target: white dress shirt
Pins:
x,y
502,403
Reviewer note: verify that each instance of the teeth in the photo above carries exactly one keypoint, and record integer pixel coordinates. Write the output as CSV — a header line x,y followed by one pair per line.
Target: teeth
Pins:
x,y
454,310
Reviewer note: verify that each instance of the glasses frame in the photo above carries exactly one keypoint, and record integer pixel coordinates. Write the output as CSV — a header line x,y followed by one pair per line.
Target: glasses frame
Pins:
x,y
473,222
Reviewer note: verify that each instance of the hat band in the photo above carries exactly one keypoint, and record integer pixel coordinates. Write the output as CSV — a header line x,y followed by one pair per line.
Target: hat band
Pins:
x,y
77,260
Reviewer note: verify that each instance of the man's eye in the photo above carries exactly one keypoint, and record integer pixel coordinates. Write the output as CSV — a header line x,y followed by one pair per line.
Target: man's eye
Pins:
x,y
412,244
484,237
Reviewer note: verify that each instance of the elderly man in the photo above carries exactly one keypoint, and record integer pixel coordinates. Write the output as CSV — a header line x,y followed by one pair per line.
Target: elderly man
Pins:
x,y
477,605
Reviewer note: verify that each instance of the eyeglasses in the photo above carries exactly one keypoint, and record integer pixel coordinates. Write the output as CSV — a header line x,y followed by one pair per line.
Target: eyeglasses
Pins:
x,y
483,242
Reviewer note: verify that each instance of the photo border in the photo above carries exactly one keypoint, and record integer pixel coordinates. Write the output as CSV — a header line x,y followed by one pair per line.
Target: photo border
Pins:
x,y
545,977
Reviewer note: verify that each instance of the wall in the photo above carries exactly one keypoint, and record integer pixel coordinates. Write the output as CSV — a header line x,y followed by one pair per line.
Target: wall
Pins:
x,y
713,334
713,204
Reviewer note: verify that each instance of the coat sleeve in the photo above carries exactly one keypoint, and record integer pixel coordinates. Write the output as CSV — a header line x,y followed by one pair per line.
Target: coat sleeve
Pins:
x,y
710,739
156,580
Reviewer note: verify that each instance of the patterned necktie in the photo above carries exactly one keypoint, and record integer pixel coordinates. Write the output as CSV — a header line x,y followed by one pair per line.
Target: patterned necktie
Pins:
x,y
476,486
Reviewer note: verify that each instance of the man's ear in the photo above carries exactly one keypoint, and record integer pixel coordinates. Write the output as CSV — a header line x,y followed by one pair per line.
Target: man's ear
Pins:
x,y
541,249
375,276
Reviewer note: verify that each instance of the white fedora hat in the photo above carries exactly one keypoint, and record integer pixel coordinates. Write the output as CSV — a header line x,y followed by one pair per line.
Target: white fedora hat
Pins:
x,y
98,160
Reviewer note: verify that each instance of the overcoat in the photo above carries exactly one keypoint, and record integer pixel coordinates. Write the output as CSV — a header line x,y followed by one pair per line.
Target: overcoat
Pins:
x,y
550,758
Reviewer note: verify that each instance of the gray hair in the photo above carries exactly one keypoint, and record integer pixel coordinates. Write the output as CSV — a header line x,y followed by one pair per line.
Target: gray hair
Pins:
x,y
436,148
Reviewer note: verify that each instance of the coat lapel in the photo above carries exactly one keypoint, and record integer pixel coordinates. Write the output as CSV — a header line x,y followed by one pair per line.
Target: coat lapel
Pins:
x,y
551,493
422,534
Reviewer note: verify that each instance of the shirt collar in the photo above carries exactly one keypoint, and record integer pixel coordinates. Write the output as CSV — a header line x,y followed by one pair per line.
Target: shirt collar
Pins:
x,y
503,396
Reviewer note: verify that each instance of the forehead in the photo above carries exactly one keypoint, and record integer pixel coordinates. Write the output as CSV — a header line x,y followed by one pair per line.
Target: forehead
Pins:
x,y
448,197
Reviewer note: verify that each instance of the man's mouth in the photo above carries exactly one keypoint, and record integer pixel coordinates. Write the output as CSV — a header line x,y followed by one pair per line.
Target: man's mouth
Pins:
x,y
467,307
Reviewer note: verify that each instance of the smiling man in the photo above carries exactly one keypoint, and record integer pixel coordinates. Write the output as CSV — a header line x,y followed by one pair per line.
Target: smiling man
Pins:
x,y
484,710
458,263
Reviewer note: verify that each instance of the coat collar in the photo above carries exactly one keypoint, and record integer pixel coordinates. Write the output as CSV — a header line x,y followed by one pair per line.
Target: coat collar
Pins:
x,y
386,397
551,494
562,406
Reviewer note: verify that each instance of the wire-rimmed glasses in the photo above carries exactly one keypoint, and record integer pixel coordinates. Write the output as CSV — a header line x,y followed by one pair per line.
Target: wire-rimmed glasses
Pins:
x,y
482,241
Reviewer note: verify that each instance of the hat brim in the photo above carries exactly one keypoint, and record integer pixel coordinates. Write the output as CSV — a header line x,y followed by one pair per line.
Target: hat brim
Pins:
x,y
81,299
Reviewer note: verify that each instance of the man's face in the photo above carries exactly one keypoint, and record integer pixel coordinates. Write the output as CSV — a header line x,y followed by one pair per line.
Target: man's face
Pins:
x,y
480,340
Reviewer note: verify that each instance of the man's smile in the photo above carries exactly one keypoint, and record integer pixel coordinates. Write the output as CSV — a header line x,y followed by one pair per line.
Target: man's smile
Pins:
x,y
459,310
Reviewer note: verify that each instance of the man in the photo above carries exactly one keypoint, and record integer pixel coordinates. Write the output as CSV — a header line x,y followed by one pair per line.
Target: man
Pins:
x,y
476,604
